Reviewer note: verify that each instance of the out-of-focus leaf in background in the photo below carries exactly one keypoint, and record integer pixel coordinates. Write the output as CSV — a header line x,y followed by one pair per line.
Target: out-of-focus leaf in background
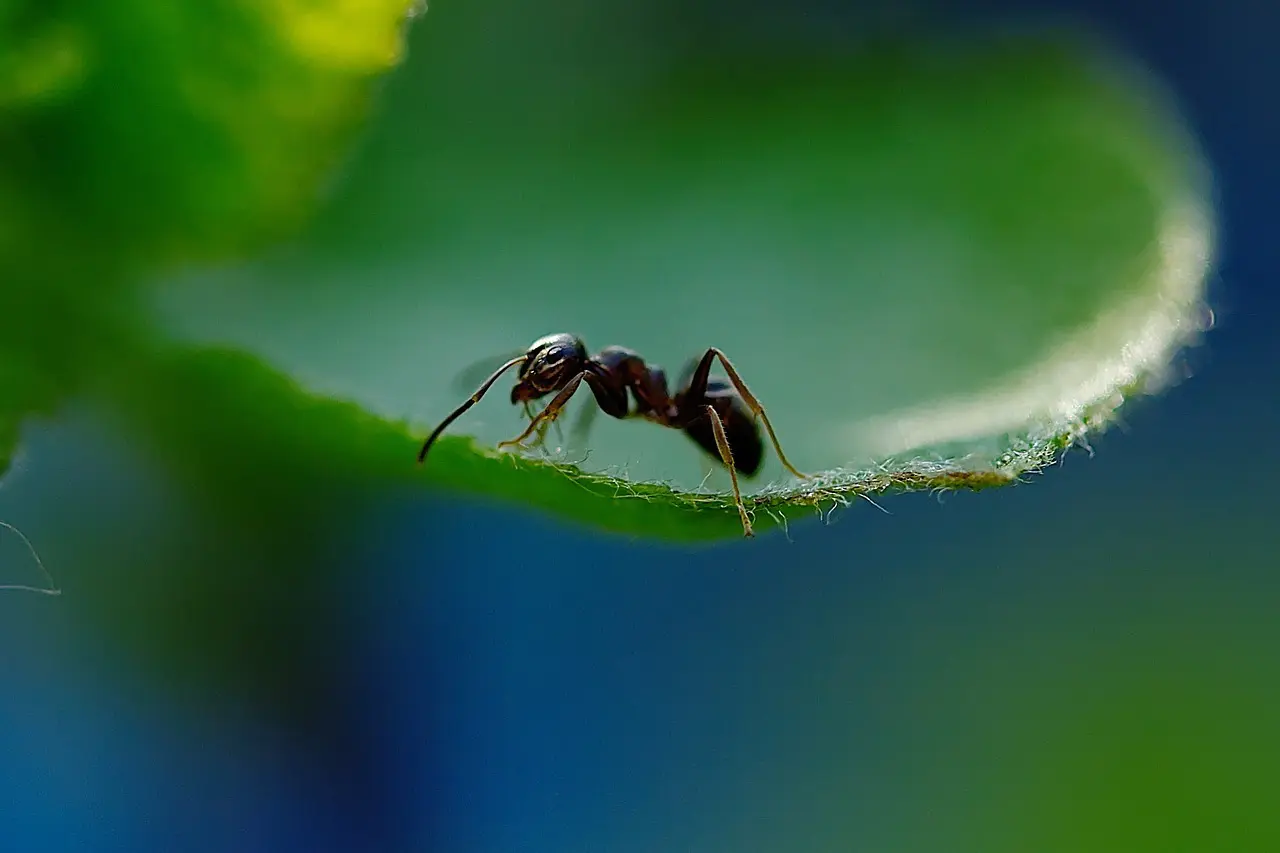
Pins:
x,y
135,136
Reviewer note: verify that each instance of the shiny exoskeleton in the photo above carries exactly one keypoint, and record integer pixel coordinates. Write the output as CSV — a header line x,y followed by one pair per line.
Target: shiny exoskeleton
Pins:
x,y
719,414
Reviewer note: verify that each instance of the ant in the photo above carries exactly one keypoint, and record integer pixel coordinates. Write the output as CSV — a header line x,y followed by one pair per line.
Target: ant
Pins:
x,y
719,416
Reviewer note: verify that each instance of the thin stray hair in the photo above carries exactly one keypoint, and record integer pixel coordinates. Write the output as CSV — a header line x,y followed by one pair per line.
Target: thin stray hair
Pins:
x,y
52,589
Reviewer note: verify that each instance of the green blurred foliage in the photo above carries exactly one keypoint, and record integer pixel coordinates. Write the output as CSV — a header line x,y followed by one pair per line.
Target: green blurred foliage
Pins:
x,y
136,135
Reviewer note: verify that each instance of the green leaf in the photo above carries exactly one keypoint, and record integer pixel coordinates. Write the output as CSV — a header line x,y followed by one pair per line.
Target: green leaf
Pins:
x,y
253,443
937,265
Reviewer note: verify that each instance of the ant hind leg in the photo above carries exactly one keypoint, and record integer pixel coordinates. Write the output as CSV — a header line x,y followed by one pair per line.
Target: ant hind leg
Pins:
x,y
753,404
726,456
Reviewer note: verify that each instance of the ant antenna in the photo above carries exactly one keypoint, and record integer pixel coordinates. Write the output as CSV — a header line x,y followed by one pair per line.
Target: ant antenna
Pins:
x,y
475,398
52,589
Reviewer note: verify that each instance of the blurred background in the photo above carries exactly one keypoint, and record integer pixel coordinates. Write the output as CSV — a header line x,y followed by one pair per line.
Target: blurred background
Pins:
x,y
259,650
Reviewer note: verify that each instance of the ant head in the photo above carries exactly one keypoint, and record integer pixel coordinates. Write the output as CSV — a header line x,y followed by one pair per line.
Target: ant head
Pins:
x,y
549,363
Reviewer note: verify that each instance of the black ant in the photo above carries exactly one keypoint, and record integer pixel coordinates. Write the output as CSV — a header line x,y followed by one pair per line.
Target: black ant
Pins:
x,y
720,416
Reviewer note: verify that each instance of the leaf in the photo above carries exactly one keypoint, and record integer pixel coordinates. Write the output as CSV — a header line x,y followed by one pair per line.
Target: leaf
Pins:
x,y
254,444
937,265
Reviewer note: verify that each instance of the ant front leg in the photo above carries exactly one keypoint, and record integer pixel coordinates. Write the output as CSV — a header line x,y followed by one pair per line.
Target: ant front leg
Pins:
x,y
608,399
698,389
528,412
536,423
542,428
726,456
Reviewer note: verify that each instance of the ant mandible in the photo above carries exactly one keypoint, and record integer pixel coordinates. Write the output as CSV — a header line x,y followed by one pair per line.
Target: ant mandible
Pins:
x,y
719,416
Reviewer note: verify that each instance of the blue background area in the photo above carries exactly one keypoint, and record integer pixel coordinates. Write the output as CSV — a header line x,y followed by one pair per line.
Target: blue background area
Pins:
x,y
1087,663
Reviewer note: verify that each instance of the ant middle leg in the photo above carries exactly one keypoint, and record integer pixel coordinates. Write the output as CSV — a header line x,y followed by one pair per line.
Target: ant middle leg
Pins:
x,y
726,456
697,389
581,429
